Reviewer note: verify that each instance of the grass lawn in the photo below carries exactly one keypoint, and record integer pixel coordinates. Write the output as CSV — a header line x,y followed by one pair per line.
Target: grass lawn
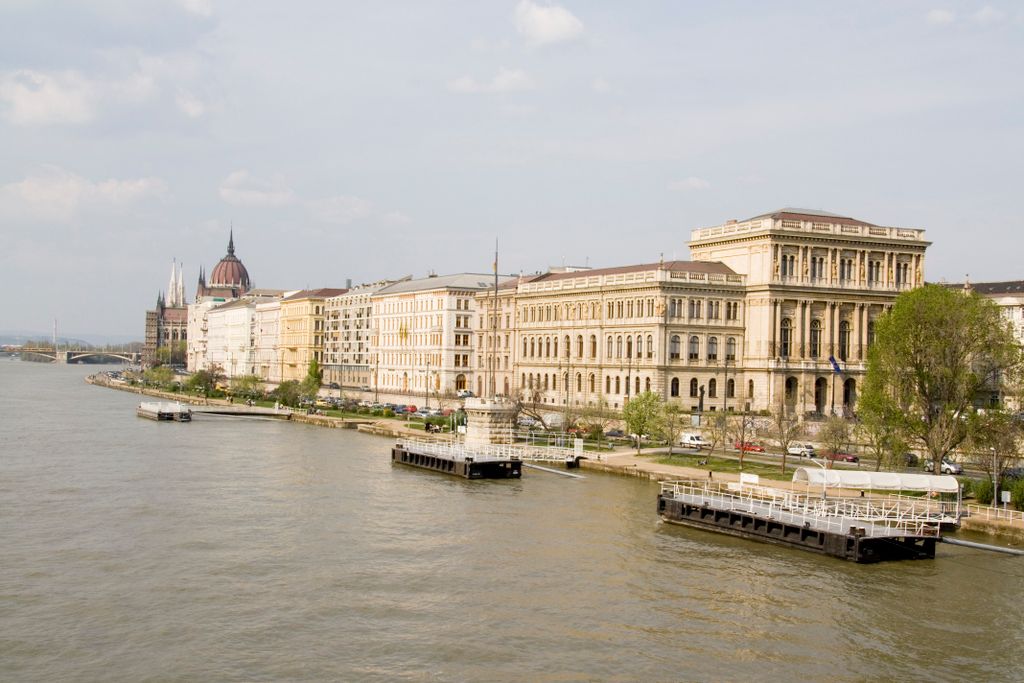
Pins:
x,y
727,465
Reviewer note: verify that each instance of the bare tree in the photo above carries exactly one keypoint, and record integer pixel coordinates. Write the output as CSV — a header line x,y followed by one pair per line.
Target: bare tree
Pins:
x,y
597,419
672,423
786,428
528,402
835,434
716,431
742,426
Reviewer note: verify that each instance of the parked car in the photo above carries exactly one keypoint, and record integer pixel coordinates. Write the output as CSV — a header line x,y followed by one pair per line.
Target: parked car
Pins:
x,y
1013,473
615,433
842,456
334,385
527,421
748,446
465,393
801,450
399,410
947,467
693,441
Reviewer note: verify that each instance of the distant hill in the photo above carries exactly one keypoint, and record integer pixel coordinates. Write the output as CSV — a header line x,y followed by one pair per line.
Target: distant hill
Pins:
x,y
19,337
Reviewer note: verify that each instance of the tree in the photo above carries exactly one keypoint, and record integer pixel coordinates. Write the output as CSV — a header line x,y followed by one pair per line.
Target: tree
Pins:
x,y
528,402
937,353
642,415
995,448
740,428
884,437
716,431
672,424
205,381
835,434
160,375
310,386
786,429
288,393
597,418
247,386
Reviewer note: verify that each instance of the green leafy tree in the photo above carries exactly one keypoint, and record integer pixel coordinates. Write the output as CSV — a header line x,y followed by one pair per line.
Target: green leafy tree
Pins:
x,y
643,415
160,375
310,386
884,438
203,381
247,386
935,354
996,447
288,393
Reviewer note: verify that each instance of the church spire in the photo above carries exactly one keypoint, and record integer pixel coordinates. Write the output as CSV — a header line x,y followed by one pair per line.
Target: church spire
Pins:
x,y
231,242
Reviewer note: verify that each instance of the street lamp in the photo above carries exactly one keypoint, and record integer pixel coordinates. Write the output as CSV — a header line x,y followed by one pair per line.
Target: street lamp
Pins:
x,y
995,480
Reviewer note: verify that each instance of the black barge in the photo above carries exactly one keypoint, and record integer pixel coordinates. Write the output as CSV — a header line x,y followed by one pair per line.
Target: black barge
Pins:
x,y
822,525
458,460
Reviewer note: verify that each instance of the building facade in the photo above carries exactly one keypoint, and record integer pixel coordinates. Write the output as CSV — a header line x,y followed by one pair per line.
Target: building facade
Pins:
x,y
228,281
816,282
424,332
302,331
348,360
166,335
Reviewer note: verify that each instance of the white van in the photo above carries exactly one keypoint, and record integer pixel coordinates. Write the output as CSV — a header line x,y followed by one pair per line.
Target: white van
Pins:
x,y
692,441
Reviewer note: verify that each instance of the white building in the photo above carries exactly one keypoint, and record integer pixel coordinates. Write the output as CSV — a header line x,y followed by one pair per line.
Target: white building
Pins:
x,y
348,360
266,339
423,333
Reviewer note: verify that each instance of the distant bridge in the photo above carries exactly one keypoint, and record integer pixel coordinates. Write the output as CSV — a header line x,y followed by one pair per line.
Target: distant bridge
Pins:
x,y
72,356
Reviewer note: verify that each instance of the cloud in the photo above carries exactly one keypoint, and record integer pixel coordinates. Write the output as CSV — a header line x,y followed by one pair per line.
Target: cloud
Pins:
x,y
190,105
202,8
940,16
340,210
55,194
240,188
546,24
599,85
988,15
690,184
506,80
38,98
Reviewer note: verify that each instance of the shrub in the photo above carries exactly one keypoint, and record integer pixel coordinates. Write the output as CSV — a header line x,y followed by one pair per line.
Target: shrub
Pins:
x,y
1017,494
387,412
377,412
983,491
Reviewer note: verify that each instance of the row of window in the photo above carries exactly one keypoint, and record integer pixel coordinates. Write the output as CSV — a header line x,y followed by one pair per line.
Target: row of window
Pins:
x,y
693,348
814,346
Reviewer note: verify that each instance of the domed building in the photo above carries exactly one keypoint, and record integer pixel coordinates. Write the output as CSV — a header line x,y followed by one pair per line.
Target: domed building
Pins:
x,y
229,279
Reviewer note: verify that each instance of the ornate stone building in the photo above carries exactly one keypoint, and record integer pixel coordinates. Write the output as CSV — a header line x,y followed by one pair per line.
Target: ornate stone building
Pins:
x,y
167,324
815,284
228,281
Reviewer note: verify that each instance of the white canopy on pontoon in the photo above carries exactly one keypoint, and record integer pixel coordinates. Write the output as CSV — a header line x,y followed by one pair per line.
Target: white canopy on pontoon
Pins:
x,y
879,481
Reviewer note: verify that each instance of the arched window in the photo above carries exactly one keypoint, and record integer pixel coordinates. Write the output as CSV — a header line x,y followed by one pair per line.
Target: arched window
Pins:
x,y
545,381
618,347
785,338
844,340
547,347
591,380
579,346
639,346
673,347
694,348
730,348
554,348
871,332
693,388
524,347
650,346
618,383
579,382
730,389
815,338
647,384
567,346
522,380
674,390
554,379
610,349
629,347
593,346
712,388
608,384
672,309
750,388
636,386
713,348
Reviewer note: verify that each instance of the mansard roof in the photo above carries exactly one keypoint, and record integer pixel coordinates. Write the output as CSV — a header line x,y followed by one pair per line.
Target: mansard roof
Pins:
x,y
321,293
456,281
985,288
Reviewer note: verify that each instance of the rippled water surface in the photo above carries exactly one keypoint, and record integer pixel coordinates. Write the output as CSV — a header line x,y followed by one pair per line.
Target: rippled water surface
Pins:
x,y
231,549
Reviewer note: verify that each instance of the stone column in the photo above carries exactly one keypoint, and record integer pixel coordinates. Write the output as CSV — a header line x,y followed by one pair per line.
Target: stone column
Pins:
x,y
855,345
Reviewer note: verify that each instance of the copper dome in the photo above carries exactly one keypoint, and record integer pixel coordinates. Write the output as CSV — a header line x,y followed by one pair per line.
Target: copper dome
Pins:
x,y
230,272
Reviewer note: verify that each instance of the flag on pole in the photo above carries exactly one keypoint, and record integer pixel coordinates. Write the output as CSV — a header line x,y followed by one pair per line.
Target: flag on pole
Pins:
x,y
835,364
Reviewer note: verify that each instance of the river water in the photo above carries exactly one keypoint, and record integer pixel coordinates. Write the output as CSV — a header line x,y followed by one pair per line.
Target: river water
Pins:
x,y
241,550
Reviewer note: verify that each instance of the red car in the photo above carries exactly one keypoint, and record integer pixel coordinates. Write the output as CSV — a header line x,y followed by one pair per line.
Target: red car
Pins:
x,y
748,447
842,457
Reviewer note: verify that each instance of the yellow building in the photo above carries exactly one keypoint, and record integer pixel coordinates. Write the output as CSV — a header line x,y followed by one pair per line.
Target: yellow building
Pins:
x,y
301,331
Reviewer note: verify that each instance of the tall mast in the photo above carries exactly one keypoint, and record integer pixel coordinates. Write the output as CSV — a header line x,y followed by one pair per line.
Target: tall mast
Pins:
x,y
493,381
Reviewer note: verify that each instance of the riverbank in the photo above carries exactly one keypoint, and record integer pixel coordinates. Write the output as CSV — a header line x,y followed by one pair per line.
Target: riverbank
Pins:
x,y
623,462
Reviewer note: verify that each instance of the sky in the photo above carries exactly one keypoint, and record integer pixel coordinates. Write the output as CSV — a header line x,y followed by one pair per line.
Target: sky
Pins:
x,y
371,140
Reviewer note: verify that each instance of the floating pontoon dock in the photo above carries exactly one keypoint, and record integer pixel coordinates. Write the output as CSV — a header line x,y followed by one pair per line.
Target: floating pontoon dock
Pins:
x,y
480,462
851,528
164,412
